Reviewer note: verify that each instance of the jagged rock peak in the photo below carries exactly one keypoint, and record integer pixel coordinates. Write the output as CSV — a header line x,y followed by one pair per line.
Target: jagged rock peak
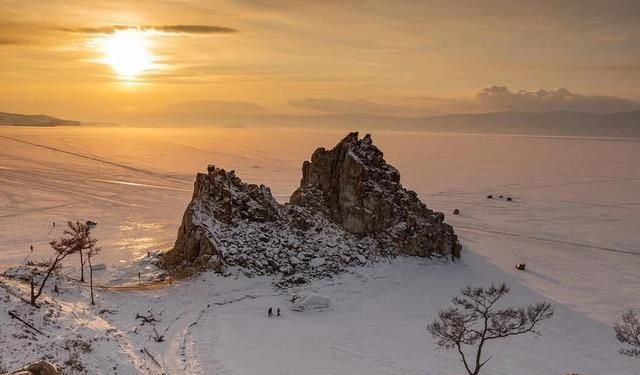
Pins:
x,y
231,198
363,193
351,181
350,209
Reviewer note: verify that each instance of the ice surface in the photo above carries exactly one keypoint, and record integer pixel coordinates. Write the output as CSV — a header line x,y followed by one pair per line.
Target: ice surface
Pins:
x,y
574,220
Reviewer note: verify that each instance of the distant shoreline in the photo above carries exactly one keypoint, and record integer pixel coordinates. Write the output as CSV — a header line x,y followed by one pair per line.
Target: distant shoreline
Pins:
x,y
17,119
40,125
619,138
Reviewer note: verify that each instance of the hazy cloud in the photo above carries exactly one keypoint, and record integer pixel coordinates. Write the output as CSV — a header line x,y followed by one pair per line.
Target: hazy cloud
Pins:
x,y
216,106
490,99
435,99
170,29
10,41
501,98
344,106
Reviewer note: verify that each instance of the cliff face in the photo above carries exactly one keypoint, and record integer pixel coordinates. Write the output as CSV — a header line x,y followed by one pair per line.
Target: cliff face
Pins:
x,y
350,209
220,199
363,193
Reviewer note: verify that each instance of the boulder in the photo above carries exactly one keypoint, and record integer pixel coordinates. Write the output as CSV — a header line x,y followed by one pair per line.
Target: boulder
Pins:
x,y
38,368
316,262
310,303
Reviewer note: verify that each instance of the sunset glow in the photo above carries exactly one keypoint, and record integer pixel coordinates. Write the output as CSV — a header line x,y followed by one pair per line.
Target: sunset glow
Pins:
x,y
127,53
268,187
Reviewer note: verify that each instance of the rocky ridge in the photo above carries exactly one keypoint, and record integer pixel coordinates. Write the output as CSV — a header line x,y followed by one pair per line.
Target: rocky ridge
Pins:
x,y
350,209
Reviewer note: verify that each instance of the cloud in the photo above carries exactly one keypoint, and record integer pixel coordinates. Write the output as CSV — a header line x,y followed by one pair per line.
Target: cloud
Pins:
x,y
344,106
501,98
489,99
169,29
191,29
10,41
437,99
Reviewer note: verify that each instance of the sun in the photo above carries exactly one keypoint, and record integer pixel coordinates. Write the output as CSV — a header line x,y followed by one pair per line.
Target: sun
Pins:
x,y
127,53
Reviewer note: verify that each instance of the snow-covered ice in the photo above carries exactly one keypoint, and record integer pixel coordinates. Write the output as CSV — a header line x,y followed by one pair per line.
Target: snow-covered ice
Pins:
x,y
574,220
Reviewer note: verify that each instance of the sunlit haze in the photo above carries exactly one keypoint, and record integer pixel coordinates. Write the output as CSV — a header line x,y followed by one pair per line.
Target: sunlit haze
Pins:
x,y
179,62
320,187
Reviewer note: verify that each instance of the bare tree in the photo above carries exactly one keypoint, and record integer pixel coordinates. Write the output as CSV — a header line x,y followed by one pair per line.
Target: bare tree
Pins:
x,y
628,333
474,320
75,239
62,248
80,232
92,251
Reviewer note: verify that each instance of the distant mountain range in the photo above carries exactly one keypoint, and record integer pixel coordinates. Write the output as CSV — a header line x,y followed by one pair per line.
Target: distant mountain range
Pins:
x,y
559,123
555,123
621,124
15,119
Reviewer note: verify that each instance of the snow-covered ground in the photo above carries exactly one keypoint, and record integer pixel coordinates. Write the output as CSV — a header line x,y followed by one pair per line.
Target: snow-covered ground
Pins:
x,y
574,219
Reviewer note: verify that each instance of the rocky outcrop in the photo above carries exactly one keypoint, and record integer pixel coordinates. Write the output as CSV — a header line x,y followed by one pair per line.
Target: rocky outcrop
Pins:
x,y
350,209
363,193
220,201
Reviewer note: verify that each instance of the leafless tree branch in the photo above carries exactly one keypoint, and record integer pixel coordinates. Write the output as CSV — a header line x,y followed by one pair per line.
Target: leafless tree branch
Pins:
x,y
473,320
628,333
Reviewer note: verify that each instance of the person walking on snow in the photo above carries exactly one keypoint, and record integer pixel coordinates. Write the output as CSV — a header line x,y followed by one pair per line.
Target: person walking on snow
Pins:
x,y
270,313
278,312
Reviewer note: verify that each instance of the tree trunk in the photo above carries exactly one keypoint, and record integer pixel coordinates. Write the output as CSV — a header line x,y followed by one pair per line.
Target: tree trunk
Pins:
x,y
49,271
93,302
82,267
33,296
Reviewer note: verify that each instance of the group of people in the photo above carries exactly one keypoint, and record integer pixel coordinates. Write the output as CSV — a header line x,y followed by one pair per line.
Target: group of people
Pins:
x,y
270,312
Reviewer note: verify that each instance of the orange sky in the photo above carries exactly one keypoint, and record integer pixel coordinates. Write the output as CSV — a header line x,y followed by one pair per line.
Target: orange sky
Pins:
x,y
303,57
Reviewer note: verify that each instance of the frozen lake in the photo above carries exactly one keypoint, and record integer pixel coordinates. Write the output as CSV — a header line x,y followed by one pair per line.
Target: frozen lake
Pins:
x,y
575,215
574,219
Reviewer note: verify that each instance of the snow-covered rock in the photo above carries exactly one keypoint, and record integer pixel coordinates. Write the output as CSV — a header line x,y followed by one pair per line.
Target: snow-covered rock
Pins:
x,y
316,262
310,302
349,209
39,368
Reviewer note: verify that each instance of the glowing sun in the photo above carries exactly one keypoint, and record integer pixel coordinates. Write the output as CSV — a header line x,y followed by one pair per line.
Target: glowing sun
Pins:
x,y
127,53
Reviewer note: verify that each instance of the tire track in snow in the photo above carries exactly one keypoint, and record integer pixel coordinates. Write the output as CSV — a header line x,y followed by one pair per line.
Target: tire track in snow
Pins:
x,y
186,357
537,238
137,184
94,158
67,190
195,349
